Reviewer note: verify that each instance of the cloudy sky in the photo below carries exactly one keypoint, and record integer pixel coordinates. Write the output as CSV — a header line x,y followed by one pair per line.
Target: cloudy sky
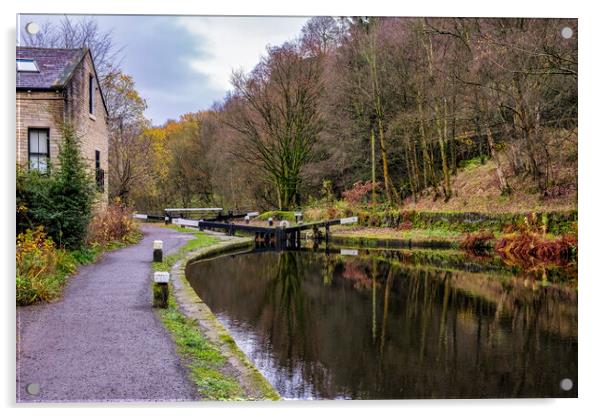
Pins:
x,y
183,63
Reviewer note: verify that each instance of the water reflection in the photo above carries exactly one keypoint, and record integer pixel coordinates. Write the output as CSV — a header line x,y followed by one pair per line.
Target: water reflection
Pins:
x,y
390,324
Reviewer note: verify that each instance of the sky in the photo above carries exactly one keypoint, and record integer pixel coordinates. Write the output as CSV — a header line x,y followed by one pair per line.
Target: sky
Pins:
x,y
183,64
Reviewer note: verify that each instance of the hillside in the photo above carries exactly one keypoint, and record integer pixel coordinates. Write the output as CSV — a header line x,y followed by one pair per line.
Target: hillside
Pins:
x,y
475,189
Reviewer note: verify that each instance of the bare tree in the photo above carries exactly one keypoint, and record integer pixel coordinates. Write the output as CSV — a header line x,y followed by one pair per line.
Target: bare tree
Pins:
x,y
72,32
275,110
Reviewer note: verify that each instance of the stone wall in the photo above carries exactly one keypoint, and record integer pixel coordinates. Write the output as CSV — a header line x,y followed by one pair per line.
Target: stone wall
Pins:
x,y
92,128
38,110
48,109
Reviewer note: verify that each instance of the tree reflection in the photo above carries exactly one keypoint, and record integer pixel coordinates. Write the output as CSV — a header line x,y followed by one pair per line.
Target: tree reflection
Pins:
x,y
376,326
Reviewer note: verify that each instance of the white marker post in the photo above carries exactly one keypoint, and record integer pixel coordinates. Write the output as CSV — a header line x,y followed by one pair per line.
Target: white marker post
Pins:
x,y
160,289
298,217
158,251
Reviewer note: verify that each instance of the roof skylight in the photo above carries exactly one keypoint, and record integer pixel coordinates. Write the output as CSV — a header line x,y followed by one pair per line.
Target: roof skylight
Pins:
x,y
27,65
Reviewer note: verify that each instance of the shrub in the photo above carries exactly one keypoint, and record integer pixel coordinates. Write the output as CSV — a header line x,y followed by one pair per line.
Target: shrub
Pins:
x,y
41,268
525,247
60,201
359,192
477,242
113,224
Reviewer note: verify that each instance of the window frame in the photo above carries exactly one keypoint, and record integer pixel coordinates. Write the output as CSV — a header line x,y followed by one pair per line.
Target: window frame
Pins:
x,y
38,154
35,64
99,172
91,89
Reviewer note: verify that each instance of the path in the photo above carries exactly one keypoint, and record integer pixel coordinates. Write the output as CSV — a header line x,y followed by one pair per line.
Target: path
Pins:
x,y
102,341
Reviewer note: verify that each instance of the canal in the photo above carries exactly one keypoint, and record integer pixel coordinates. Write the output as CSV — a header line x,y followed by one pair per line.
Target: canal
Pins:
x,y
396,324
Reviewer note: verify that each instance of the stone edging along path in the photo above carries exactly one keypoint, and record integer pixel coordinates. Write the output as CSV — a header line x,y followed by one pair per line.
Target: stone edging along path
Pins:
x,y
192,306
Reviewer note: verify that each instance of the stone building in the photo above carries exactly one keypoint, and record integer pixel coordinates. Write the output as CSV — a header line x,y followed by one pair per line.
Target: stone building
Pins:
x,y
56,86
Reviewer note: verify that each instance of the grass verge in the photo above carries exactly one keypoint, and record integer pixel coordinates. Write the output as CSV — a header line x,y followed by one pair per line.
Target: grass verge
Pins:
x,y
203,359
209,366
200,240
373,236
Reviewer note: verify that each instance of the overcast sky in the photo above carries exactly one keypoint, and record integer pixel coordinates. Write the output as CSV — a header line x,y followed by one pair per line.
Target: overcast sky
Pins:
x,y
183,63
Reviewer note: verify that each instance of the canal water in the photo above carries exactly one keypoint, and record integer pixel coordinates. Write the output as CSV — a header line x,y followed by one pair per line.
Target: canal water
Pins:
x,y
396,324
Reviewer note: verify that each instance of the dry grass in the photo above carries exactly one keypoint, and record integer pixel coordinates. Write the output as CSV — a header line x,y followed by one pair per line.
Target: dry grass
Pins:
x,y
475,188
114,224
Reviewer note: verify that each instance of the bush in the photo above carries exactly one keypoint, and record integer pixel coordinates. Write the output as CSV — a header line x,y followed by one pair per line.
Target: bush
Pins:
x,y
359,192
113,224
525,247
41,267
479,241
60,201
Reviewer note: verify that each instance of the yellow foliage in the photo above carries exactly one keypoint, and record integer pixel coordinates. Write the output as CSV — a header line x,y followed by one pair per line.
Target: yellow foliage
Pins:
x,y
37,260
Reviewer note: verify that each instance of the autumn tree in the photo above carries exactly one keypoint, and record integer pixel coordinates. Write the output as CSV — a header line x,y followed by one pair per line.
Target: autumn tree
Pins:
x,y
129,148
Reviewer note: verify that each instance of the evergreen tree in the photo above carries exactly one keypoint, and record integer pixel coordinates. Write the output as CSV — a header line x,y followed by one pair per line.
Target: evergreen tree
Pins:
x,y
62,200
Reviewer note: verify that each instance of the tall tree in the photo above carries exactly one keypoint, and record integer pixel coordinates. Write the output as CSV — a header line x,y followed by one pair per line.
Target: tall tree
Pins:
x,y
275,110
129,149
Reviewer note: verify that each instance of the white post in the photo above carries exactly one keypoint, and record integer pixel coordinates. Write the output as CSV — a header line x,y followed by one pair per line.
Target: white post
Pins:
x,y
158,251
160,289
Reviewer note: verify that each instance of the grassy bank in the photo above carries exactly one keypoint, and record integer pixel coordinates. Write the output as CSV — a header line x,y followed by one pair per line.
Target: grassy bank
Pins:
x,y
217,367
198,241
521,237
372,236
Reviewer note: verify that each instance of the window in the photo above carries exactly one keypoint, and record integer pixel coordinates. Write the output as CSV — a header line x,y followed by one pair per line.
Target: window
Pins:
x,y
39,149
100,173
27,65
91,94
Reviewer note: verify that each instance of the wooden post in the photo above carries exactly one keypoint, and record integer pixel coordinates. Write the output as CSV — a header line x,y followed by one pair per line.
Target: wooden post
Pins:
x,y
327,226
160,289
158,251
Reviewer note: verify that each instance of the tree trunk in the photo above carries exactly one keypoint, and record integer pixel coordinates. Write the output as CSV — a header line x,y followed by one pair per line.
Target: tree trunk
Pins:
x,y
409,167
372,145
442,127
504,187
427,174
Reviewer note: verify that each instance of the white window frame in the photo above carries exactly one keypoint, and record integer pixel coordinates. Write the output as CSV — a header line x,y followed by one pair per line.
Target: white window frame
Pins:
x,y
24,67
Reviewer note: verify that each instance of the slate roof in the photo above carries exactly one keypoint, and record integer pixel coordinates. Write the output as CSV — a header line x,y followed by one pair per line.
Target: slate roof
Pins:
x,y
55,65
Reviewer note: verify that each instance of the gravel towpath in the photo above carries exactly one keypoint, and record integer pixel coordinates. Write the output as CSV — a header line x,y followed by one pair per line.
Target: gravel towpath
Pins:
x,y
102,341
